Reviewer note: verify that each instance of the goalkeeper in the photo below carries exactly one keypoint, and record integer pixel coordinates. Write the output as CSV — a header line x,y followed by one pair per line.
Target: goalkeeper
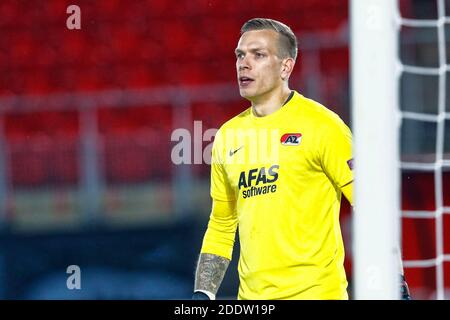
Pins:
x,y
286,204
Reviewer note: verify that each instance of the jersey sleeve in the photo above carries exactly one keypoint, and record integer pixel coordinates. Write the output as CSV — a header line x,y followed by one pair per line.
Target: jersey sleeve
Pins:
x,y
220,234
336,152
347,190
220,186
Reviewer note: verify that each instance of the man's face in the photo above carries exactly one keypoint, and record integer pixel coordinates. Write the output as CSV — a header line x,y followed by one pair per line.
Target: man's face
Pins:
x,y
257,63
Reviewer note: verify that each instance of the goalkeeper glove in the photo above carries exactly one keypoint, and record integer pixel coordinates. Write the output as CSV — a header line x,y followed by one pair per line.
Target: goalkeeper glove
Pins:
x,y
199,295
404,290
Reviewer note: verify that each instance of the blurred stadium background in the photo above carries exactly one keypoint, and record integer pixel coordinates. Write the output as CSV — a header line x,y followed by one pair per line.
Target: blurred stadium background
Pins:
x,y
86,118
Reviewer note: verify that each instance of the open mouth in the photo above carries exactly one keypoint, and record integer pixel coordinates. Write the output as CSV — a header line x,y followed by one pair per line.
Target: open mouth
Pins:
x,y
245,81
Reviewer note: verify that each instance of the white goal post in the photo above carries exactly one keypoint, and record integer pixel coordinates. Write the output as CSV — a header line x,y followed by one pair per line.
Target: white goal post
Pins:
x,y
375,125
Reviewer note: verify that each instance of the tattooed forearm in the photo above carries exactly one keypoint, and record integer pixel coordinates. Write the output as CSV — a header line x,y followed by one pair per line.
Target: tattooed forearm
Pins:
x,y
210,272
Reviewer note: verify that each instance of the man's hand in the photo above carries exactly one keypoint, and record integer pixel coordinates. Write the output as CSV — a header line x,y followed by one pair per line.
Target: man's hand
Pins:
x,y
404,290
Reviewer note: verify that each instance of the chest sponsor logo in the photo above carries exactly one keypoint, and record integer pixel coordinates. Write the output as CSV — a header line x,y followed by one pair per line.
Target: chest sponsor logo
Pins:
x,y
258,181
291,139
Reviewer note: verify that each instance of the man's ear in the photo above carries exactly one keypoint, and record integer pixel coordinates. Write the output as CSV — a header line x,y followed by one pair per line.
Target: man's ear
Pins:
x,y
287,65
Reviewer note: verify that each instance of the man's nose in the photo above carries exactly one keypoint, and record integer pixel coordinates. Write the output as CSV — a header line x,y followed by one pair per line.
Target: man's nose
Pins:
x,y
243,65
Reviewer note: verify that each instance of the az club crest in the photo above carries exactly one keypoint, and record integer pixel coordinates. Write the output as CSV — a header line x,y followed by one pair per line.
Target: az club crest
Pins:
x,y
291,139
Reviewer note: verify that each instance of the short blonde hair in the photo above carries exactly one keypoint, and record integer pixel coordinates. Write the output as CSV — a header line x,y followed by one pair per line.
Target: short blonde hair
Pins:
x,y
288,40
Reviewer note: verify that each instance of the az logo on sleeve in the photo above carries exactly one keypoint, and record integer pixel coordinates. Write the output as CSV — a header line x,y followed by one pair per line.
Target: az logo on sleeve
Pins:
x,y
291,139
350,163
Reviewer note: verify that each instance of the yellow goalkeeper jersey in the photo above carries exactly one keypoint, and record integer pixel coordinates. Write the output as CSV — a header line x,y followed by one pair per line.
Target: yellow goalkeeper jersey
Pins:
x,y
283,173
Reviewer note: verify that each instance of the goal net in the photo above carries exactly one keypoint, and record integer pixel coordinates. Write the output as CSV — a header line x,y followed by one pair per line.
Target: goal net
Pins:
x,y
401,122
424,28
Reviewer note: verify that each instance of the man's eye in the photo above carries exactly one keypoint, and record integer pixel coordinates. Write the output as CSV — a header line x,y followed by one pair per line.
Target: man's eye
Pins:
x,y
239,55
259,55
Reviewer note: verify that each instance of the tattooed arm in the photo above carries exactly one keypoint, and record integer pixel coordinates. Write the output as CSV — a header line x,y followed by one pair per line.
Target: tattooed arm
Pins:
x,y
217,249
211,269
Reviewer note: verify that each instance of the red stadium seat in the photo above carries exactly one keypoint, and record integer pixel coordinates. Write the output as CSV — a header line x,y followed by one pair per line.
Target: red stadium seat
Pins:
x,y
196,31
29,161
